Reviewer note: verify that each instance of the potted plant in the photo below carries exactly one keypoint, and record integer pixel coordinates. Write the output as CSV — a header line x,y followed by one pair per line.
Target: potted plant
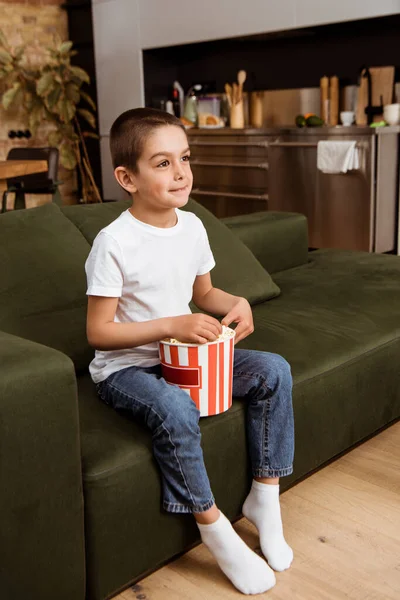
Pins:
x,y
51,90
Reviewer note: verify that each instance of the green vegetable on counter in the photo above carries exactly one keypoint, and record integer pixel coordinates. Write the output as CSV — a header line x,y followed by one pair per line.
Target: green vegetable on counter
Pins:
x,y
300,121
309,120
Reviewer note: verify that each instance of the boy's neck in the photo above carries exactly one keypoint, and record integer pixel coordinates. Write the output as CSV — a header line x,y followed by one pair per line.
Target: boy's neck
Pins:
x,y
163,219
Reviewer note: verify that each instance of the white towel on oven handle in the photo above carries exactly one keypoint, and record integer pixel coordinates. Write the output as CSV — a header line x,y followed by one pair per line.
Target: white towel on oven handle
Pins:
x,y
337,156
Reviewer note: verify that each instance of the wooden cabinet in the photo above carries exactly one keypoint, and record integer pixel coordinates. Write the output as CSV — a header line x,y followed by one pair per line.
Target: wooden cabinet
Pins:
x,y
230,169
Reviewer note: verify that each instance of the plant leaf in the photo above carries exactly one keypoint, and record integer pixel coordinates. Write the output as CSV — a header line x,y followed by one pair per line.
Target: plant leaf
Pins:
x,y
90,134
67,157
66,110
72,92
80,74
10,95
45,84
53,97
88,116
65,47
5,57
88,99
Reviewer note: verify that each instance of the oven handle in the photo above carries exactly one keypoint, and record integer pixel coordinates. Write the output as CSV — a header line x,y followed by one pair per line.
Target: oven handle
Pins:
x,y
263,144
299,144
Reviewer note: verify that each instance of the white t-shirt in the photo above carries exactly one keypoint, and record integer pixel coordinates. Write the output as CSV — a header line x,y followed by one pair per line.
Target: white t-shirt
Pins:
x,y
152,271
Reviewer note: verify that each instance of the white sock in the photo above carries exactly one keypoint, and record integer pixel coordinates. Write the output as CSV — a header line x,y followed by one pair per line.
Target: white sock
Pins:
x,y
248,572
262,508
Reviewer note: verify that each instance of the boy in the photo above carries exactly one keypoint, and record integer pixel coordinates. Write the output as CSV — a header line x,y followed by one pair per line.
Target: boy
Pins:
x,y
143,270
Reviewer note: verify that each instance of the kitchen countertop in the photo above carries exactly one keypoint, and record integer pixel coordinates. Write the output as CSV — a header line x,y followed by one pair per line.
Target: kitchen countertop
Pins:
x,y
389,129
293,130
229,131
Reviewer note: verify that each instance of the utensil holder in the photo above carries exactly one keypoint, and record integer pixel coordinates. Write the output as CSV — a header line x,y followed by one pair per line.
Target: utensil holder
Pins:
x,y
237,115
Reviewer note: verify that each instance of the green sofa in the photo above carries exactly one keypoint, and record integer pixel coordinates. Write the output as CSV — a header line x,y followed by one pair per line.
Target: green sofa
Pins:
x,y
80,492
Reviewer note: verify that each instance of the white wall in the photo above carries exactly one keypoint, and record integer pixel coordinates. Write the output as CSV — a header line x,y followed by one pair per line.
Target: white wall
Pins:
x,y
181,21
122,28
119,72
184,21
320,12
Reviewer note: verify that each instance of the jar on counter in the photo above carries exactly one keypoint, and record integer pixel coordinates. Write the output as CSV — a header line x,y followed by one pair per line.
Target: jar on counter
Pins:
x,y
208,111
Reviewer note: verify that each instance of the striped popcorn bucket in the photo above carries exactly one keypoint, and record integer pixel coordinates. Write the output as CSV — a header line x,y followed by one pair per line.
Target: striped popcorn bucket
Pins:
x,y
204,371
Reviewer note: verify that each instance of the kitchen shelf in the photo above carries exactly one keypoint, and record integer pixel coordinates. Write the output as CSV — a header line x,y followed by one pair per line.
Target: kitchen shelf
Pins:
x,y
223,194
212,163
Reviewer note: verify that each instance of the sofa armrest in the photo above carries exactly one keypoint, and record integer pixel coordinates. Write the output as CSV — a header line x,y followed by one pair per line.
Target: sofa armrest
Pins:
x,y
41,500
279,240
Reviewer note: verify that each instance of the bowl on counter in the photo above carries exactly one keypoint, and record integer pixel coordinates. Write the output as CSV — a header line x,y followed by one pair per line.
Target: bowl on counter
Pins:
x,y
391,114
347,117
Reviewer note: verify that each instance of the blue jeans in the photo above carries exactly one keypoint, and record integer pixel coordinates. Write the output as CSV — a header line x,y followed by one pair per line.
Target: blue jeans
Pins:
x,y
261,379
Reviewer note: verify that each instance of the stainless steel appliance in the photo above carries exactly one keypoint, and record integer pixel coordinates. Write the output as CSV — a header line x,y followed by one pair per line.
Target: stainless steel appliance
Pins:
x,y
356,210
230,168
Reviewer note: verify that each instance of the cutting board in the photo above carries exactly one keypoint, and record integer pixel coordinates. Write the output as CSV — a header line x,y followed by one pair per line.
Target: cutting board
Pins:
x,y
382,82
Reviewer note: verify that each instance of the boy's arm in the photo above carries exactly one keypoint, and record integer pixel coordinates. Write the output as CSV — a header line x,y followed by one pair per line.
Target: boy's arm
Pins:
x,y
234,309
104,333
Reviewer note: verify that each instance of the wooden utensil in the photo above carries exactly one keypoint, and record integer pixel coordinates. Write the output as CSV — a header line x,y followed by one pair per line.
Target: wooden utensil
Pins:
x,y
235,95
228,92
241,77
333,100
324,94
362,101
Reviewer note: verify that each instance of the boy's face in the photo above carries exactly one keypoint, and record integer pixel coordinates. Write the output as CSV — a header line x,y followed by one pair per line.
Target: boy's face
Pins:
x,y
164,178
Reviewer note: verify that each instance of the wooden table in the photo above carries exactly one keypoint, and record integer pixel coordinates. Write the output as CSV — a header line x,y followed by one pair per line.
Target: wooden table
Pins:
x,y
18,168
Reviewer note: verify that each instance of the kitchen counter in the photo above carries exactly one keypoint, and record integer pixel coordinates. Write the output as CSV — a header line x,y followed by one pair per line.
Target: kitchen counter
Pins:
x,y
229,131
292,129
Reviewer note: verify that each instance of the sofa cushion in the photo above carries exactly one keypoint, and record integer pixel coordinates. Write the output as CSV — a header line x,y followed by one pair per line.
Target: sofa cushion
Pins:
x,y
337,306
279,240
91,218
237,270
42,283
127,532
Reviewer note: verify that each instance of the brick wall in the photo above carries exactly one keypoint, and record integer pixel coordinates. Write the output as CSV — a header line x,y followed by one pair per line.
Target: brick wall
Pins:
x,y
36,21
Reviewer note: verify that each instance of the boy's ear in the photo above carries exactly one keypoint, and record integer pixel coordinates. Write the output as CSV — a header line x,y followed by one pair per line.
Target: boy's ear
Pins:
x,y
125,179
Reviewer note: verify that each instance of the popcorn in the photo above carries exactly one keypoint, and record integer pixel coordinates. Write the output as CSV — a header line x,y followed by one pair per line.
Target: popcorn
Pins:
x,y
226,334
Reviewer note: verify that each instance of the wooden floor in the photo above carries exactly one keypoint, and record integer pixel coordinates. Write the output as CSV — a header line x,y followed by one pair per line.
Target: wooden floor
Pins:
x,y
343,524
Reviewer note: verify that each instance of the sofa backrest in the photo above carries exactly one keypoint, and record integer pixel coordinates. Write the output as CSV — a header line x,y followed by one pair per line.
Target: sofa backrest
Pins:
x,y
43,281
237,270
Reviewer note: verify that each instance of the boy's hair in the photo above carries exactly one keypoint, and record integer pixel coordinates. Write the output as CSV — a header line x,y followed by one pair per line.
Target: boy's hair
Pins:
x,y
130,131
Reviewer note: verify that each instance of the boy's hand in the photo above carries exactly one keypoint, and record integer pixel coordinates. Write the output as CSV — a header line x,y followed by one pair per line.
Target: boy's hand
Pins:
x,y
195,328
242,315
